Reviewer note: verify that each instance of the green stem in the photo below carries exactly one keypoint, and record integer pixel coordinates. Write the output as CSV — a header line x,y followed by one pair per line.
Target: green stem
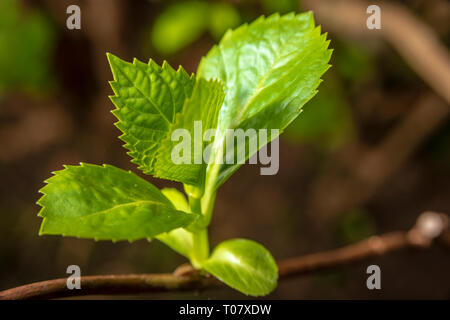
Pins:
x,y
201,248
201,201
209,196
209,200
195,204
200,237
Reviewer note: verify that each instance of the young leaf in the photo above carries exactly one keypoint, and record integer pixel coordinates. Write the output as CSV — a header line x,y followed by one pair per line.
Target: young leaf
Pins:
x,y
270,69
179,239
244,265
147,99
106,203
177,198
201,108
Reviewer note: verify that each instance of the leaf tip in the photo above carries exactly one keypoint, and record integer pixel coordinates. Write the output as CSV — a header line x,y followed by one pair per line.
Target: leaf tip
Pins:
x,y
111,58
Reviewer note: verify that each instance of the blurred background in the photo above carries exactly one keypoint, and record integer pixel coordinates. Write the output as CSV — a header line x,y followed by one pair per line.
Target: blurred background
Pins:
x,y
369,153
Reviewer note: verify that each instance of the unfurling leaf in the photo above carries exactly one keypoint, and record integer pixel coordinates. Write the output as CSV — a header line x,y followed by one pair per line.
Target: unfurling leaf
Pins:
x,y
152,102
179,239
106,203
147,99
244,265
199,114
269,69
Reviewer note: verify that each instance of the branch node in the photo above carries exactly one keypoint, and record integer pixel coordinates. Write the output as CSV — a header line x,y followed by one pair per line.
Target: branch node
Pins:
x,y
377,244
185,270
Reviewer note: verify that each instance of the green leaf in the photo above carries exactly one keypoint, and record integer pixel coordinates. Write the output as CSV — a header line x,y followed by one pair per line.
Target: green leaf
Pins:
x,y
245,266
147,99
106,203
270,69
179,239
177,199
202,106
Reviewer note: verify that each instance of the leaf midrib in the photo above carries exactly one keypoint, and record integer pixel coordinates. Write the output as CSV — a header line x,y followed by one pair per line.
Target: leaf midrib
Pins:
x,y
122,205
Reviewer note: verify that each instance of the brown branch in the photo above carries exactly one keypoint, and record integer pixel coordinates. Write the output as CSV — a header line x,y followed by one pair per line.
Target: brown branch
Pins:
x,y
429,226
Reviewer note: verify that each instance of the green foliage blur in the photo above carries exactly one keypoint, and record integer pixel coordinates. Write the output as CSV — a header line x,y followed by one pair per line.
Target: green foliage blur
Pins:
x,y
355,225
26,46
180,24
326,120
